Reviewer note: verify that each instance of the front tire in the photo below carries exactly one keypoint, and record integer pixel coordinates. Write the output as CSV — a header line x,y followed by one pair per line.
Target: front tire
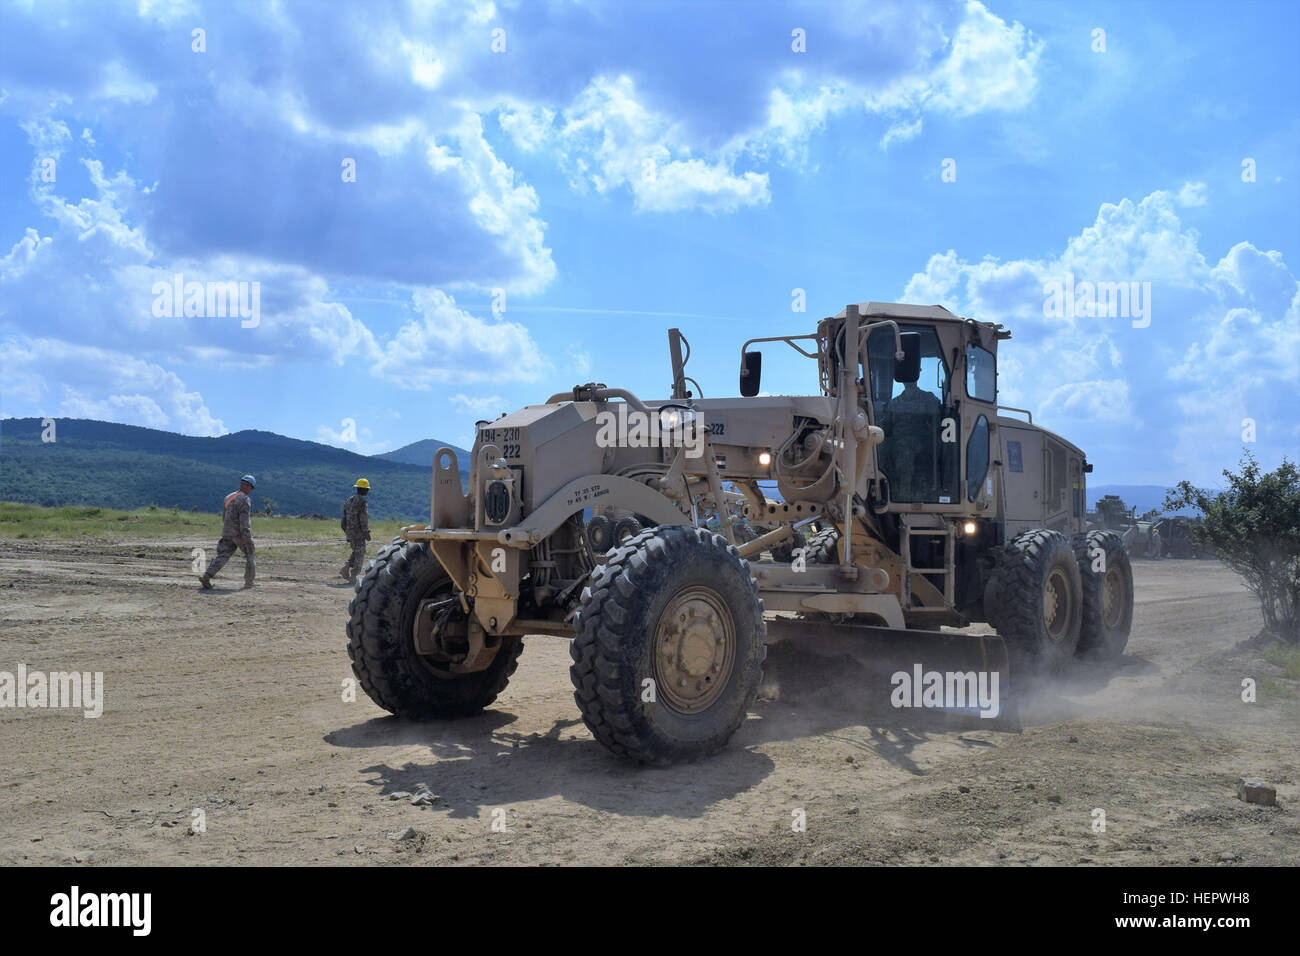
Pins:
x,y
670,646
381,641
1107,576
1035,600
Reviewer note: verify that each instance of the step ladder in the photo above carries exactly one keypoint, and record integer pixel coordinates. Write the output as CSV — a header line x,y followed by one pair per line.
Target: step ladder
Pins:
x,y
935,528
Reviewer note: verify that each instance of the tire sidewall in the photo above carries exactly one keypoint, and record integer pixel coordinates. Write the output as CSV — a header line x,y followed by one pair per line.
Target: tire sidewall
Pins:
x,y
382,643
1057,654
1023,571
714,570
613,650
1096,640
600,533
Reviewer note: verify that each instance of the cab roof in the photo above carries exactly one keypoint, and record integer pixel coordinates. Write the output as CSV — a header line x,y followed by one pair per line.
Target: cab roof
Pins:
x,y
914,313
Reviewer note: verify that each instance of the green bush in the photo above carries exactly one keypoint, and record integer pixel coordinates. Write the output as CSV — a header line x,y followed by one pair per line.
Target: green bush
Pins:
x,y
1255,527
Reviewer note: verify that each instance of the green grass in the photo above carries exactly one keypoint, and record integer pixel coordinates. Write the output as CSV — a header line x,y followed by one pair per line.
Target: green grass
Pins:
x,y
33,522
1285,656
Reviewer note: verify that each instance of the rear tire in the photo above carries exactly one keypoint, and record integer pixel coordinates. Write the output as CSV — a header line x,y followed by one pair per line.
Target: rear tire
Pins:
x,y
381,641
600,533
1107,595
1035,600
783,553
625,528
822,547
673,610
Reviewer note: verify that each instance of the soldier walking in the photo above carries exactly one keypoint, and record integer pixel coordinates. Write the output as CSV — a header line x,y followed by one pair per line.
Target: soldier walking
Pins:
x,y
356,527
236,532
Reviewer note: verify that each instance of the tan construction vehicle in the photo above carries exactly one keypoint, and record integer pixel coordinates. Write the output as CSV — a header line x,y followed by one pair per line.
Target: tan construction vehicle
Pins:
x,y
926,507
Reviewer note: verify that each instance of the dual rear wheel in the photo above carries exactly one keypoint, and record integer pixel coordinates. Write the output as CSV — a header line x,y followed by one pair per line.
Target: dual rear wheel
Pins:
x,y
605,532
1053,598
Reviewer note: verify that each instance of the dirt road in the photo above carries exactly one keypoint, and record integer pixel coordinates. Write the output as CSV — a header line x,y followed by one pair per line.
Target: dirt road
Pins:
x,y
233,703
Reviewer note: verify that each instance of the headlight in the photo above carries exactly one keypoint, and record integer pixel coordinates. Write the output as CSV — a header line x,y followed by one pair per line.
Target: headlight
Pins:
x,y
496,502
673,419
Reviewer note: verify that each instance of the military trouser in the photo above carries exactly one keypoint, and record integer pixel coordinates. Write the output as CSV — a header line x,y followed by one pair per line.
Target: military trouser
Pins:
x,y
357,559
225,548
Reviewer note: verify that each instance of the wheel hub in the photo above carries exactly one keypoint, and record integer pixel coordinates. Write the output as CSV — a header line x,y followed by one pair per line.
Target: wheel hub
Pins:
x,y
1056,605
1112,598
694,649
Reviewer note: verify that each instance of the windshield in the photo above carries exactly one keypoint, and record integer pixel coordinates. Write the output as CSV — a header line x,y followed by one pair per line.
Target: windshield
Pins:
x,y
919,454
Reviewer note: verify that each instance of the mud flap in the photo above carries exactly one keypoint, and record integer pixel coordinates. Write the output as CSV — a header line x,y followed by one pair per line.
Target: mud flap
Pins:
x,y
964,677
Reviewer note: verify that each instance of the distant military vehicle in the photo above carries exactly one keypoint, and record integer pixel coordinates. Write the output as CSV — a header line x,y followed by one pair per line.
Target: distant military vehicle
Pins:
x,y
1175,534
1137,534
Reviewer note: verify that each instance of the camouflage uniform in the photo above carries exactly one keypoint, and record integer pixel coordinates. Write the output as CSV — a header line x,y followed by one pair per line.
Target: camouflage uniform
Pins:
x,y
911,424
356,526
236,533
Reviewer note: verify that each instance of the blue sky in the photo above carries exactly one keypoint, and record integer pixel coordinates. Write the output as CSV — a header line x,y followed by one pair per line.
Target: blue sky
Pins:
x,y
620,168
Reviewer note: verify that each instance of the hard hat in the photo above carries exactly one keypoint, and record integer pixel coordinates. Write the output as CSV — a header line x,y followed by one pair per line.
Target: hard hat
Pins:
x,y
362,483
250,479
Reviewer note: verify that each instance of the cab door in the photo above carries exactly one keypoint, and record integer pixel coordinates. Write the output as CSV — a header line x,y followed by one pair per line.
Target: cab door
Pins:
x,y
1022,471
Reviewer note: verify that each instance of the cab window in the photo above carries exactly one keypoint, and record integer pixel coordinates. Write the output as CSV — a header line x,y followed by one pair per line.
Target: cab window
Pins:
x,y
981,374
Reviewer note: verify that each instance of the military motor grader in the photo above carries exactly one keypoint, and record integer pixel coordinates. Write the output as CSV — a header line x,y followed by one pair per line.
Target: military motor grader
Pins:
x,y
925,506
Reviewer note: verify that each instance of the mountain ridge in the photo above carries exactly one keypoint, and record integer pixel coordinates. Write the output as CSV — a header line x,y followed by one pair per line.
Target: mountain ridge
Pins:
x,y
108,464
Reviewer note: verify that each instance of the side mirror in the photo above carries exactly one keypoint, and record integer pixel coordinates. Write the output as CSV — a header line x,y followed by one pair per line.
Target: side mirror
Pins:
x,y
908,369
751,372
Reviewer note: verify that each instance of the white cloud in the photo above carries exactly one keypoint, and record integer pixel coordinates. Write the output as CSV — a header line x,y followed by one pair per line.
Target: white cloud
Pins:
x,y
119,83
1193,194
80,381
97,247
613,134
901,133
502,209
447,344
478,405
607,140
1223,336
579,359
989,66
1102,400
352,438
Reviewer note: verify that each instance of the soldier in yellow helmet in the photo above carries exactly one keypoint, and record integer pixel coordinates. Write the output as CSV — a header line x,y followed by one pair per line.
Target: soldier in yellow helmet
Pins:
x,y
356,527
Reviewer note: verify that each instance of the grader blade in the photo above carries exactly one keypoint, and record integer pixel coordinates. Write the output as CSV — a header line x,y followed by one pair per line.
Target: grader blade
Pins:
x,y
966,675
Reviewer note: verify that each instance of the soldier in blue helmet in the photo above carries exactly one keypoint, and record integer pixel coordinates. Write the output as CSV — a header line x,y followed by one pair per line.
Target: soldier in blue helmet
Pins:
x,y
236,533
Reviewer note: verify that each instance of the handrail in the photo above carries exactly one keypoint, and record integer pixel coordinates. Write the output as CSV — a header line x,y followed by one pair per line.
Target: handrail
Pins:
x,y
592,393
1024,411
787,339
